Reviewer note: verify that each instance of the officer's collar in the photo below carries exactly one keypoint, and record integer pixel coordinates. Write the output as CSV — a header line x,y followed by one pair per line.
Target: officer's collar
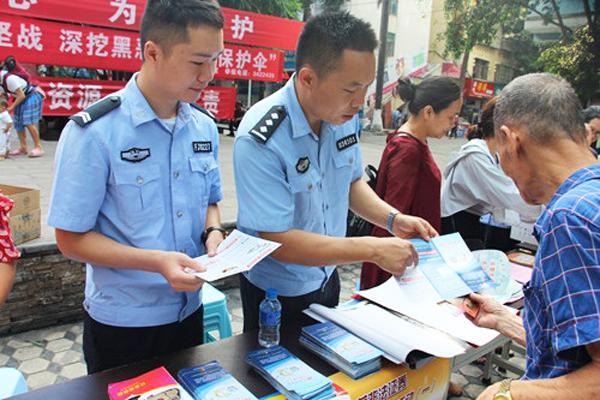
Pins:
x,y
141,112
300,126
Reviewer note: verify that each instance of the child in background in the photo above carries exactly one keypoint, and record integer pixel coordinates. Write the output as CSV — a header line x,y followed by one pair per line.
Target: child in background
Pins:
x,y
8,252
6,124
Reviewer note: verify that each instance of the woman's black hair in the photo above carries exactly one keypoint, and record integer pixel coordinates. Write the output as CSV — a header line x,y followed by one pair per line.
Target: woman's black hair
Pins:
x,y
438,92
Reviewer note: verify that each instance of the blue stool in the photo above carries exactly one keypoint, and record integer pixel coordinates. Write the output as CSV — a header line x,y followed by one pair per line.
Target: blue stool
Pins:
x,y
13,383
216,316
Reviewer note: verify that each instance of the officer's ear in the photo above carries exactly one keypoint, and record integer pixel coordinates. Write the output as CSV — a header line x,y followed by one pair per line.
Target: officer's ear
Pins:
x,y
306,77
152,51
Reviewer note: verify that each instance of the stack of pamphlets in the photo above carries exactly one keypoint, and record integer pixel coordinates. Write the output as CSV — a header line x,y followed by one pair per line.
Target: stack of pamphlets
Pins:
x,y
290,375
211,381
156,384
345,351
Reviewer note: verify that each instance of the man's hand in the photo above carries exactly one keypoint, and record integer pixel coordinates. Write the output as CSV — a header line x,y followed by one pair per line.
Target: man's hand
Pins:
x,y
489,392
213,241
394,255
408,227
490,312
172,265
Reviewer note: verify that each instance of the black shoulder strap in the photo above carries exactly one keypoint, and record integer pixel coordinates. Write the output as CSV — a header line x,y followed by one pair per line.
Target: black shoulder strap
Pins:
x,y
268,124
204,111
96,110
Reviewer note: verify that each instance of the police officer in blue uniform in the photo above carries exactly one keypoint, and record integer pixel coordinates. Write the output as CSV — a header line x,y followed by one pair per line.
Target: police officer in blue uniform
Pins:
x,y
298,169
136,191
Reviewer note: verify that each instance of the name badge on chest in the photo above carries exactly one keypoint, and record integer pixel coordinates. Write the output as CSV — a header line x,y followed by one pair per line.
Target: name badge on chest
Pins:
x,y
202,147
346,142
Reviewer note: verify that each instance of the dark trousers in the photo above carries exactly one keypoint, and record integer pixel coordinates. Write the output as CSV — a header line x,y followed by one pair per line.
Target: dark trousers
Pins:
x,y
106,347
477,235
291,307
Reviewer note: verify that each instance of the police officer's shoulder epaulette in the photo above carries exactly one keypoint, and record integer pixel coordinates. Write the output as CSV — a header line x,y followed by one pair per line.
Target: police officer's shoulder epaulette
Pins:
x,y
204,111
268,124
96,110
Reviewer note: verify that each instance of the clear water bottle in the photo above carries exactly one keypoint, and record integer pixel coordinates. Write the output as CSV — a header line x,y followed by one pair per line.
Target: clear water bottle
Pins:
x,y
269,319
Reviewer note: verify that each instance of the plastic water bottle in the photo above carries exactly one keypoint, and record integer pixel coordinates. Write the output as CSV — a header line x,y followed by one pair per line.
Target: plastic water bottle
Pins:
x,y
269,319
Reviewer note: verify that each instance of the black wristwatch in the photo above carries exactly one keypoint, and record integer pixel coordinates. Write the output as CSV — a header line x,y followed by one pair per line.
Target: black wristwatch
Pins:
x,y
213,228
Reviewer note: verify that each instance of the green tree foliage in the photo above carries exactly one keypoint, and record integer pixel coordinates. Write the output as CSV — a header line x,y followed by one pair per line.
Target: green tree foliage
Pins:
x,y
574,61
294,9
279,8
473,22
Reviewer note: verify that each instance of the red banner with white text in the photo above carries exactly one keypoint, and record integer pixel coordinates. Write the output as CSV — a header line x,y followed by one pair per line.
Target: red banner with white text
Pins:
x,y
240,62
241,27
41,42
65,97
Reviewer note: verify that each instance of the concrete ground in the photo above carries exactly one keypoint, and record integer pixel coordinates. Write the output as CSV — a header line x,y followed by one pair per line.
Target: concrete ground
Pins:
x,y
54,354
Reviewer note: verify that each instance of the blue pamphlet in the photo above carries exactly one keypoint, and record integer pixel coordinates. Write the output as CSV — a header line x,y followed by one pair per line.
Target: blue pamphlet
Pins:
x,y
210,381
450,266
342,349
290,375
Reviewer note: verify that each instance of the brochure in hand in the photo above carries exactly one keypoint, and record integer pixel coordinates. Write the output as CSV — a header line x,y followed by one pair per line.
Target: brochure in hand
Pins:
x,y
154,385
210,381
450,267
290,375
345,351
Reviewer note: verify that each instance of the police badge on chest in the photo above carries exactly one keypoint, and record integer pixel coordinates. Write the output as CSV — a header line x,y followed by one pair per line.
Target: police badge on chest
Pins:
x,y
135,155
302,165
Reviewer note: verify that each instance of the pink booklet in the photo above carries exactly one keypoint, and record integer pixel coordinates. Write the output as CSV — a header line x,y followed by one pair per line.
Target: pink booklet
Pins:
x,y
157,384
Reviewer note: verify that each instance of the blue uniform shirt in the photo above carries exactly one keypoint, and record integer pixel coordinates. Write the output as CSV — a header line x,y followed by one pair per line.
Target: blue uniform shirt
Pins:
x,y
296,180
128,177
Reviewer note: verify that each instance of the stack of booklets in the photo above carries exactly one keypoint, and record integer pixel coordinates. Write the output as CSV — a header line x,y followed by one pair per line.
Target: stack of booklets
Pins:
x,y
345,351
211,381
156,384
289,375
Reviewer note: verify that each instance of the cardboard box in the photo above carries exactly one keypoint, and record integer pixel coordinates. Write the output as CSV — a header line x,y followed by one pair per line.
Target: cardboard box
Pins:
x,y
25,217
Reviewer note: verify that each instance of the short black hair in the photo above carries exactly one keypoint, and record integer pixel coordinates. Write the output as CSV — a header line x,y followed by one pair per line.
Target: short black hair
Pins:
x,y
438,92
544,105
590,113
166,22
326,36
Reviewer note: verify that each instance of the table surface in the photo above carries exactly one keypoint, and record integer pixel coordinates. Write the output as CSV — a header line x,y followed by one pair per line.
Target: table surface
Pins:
x,y
230,353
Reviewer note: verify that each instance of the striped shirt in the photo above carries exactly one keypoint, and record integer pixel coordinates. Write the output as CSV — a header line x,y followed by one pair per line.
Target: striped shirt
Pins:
x,y
562,300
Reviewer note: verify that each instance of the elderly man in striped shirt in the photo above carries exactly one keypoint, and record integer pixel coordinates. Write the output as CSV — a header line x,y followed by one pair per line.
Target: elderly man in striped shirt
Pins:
x,y
542,147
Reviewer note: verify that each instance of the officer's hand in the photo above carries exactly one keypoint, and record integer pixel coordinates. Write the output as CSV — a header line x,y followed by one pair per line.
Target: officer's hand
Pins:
x,y
213,241
394,255
172,266
407,227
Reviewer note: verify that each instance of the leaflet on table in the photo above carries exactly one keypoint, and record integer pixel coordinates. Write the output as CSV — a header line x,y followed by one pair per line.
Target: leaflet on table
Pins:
x,y
239,252
345,351
290,375
156,384
426,309
341,342
396,335
210,381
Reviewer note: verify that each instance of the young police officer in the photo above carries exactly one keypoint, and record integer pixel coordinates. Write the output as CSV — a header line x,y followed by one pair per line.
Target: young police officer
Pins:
x,y
136,191
298,169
